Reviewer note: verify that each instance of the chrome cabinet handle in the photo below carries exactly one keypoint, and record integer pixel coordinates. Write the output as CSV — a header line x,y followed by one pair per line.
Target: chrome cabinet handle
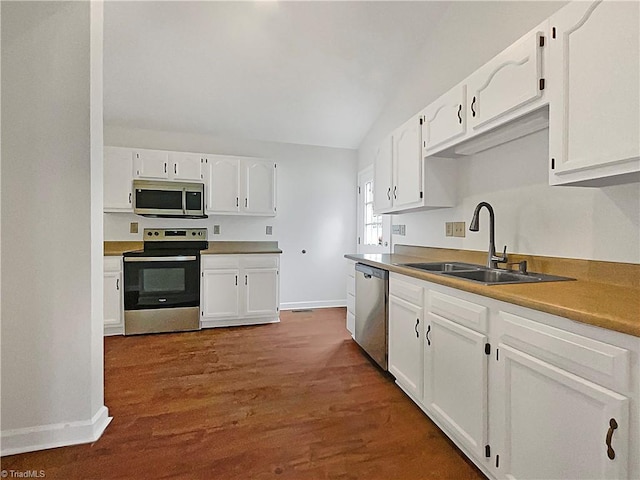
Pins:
x,y
175,168
613,425
165,167
129,197
416,327
117,284
427,335
389,193
473,102
459,114
395,191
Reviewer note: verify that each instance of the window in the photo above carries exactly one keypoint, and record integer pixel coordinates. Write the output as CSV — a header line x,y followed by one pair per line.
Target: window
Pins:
x,y
372,222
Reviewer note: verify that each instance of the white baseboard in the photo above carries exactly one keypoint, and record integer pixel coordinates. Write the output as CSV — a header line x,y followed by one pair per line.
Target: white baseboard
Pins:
x,y
317,304
42,437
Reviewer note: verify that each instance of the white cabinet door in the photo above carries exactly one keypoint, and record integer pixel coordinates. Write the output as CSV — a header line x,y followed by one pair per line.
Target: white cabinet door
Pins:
x,y
261,292
259,182
118,178
186,166
112,296
351,297
223,184
444,119
455,380
407,164
505,83
556,425
112,299
151,164
405,344
220,293
383,177
594,118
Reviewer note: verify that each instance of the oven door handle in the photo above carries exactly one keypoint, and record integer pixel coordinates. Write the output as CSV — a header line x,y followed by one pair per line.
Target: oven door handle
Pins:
x,y
180,258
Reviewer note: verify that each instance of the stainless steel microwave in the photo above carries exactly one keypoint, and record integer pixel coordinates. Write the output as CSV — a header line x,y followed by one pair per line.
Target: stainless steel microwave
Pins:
x,y
168,199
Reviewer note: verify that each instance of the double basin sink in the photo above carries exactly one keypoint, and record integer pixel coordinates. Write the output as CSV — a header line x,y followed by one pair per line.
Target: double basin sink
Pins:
x,y
480,274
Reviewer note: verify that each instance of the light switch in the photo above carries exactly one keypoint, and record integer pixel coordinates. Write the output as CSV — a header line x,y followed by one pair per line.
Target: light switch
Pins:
x,y
133,227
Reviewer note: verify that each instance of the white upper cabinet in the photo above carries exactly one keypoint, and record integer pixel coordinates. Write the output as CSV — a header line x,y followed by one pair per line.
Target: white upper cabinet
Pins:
x,y
240,186
118,178
151,164
223,184
507,82
445,119
407,164
594,116
404,181
259,186
164,165
495,104
383,176
186,166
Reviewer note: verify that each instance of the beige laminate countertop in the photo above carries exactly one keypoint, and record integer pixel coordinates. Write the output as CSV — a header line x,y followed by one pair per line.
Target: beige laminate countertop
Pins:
x,y
215,248
604,305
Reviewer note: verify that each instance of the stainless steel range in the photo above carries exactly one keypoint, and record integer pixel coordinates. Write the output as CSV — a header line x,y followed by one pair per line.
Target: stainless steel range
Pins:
x,y
162,282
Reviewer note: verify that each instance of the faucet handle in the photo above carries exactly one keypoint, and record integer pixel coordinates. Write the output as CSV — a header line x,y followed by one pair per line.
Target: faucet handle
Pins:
x,y
504,253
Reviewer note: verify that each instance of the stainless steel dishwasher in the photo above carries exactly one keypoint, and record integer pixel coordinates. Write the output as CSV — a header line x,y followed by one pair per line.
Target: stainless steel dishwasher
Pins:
x,y
372,298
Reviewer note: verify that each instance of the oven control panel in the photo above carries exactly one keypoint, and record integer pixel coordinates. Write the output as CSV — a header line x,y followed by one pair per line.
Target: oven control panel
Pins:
x,y
174,234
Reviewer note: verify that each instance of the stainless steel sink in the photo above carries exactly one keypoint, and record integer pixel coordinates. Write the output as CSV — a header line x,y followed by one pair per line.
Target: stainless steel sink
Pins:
x,y
442,266
498,277
481,274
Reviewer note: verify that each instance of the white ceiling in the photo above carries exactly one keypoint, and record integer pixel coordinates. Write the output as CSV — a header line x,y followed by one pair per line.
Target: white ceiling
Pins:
x,y
315,72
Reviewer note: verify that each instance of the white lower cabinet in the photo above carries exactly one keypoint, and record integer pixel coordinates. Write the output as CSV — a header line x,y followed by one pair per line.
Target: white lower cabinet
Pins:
x,y
239,290
351,297
456,368
405,335
113,298
524,394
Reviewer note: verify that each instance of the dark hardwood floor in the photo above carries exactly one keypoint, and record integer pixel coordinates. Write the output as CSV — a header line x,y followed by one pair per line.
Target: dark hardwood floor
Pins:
x,y
294,400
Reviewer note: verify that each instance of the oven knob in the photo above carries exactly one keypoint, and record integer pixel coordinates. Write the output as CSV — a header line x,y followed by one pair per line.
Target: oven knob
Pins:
x,y
156,233
193,233
149,233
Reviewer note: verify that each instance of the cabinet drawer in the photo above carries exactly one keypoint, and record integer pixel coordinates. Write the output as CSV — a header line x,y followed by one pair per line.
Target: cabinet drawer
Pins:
x,y
260,261
460,311
351,304
596,361
351,285
113,264
219,261
406,291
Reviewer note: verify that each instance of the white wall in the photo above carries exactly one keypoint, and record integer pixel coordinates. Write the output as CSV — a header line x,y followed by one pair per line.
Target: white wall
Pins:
x,y
316,210
531,216
52,353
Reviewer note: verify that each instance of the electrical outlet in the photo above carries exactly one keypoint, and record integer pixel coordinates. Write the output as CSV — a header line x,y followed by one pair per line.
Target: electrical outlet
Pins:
x,y
458,229
133,227
269,230
448,228
399,229
216,229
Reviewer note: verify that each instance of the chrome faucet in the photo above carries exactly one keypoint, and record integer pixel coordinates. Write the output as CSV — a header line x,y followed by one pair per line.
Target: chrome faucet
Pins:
x,y
492,258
